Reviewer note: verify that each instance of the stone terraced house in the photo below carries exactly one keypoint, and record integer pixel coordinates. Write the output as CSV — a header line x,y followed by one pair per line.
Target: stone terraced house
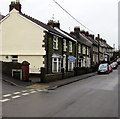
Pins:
x,y
46,45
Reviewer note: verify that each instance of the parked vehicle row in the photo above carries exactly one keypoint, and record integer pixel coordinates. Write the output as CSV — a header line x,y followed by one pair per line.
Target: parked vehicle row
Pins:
x,y
104,68
114,65
107,68
118,61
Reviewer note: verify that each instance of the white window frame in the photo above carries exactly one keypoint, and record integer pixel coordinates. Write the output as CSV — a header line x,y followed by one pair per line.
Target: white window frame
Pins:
x,y
88,62
55,42
87,50
79,48
58,61
84,62
14,58
84,50
64,45
70,46
72,64
64,62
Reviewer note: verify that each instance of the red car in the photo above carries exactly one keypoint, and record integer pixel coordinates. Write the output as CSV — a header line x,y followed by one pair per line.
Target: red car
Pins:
x,y
110,68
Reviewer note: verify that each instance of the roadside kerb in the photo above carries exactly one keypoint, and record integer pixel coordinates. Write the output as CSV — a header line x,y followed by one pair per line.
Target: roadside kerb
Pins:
x,y
66,83
12,83
57,85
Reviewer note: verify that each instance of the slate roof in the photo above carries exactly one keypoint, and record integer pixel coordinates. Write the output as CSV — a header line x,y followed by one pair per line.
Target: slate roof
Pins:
x,y
85,40
47,27
61,32
82,40
95,42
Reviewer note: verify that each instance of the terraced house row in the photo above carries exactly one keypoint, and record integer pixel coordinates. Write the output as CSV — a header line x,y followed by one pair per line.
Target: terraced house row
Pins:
x,y
47,45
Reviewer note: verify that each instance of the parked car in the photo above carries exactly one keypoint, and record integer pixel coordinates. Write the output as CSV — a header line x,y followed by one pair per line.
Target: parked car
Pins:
x,y
110,68
104,68
118,61
114,65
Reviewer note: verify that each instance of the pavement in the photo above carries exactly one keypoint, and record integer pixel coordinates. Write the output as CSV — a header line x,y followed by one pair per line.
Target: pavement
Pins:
x,y
35,81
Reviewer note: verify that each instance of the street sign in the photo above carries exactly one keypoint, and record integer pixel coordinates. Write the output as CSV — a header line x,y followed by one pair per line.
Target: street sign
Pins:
x,y
71,59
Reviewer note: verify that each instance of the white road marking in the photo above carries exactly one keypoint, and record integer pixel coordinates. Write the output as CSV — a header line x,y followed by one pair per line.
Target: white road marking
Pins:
x,y
33,92
4,100
16,96
17,93
7,95
25,93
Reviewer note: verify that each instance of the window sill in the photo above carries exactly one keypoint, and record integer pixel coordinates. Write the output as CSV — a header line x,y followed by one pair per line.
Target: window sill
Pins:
x,y
55,48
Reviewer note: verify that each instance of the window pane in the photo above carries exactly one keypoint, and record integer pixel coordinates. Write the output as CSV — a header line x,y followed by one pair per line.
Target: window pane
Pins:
x,y
55,42
55,67
55,59
14,56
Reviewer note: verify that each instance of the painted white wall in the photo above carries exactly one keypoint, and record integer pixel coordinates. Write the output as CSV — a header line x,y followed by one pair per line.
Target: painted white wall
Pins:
x,y
24,38
36,62
20,35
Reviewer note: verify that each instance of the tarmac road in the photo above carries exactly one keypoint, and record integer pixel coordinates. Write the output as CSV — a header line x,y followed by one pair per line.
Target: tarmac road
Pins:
x,y
96,96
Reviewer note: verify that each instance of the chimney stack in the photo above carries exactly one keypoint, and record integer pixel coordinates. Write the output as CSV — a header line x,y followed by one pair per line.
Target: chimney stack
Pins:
x,y
54,24
87,33
72,33
15,4
77,32
77,29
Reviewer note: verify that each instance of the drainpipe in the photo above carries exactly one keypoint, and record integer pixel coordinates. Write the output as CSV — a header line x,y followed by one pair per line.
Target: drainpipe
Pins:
x,y
98,49
76,54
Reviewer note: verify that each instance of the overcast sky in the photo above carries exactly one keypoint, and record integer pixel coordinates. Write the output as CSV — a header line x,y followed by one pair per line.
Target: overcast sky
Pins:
x,y
100,16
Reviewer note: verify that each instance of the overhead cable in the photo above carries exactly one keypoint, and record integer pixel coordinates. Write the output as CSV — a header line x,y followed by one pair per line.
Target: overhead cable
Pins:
x,y
73,17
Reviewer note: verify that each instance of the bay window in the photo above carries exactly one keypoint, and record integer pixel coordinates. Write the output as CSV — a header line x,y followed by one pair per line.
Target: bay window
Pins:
x,y
56,64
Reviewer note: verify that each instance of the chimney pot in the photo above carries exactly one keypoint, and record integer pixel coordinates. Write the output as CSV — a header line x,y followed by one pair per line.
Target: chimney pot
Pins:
x,y
77,29
53,24
15,5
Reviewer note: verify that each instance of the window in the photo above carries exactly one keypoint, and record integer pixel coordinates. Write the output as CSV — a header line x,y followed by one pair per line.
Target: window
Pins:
x,y
87,51
70,46
55,42
71,66
56,65
64,45
84,62
88,62
64,62
14,58
84,50
79,48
